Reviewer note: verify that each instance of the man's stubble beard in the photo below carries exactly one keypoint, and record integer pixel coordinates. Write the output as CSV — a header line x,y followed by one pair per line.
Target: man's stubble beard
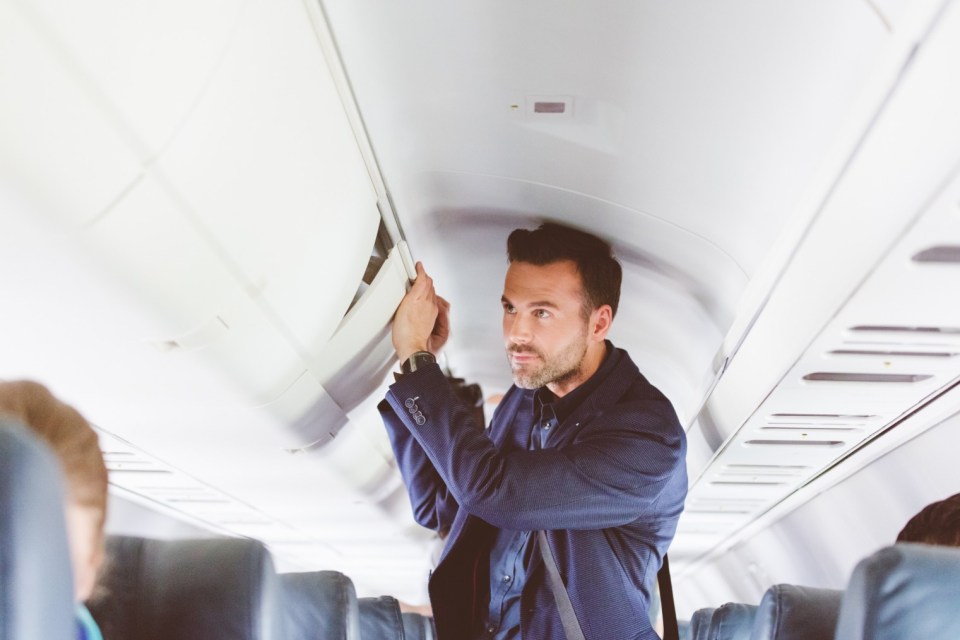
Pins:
x,y
565,365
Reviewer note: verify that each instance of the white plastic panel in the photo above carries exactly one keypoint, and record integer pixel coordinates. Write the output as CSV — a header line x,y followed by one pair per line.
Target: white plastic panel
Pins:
x,y
268,166
149,61
353,363
854,272
883,190
59,152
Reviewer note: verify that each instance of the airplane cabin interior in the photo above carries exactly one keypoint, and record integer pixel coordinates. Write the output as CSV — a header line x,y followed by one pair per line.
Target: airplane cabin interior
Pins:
x,y
211,210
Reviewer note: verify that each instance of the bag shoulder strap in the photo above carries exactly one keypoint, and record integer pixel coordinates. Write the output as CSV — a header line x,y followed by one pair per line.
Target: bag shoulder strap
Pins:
x,y
671,630
571,626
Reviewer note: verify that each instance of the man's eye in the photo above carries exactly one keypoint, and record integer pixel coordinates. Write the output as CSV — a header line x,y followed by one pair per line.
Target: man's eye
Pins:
x,y
543,314
508,308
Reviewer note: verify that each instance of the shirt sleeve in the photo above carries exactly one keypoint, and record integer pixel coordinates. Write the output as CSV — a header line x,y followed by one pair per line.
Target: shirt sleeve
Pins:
x,y
613,473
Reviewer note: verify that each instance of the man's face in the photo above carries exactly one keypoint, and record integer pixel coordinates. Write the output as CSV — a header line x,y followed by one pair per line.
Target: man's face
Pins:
x,y
544,328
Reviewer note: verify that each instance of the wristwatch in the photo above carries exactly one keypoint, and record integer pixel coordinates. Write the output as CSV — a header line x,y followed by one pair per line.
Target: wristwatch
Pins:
x,y
418,360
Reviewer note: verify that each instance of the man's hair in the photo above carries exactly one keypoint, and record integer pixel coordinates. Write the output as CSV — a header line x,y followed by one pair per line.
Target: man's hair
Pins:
x,y
937,523
598,267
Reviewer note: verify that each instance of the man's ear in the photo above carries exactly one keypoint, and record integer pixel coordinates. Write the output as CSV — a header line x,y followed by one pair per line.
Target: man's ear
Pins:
x,y
600,320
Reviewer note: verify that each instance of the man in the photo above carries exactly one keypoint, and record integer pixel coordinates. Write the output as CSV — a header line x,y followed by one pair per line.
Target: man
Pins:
x,y
582,447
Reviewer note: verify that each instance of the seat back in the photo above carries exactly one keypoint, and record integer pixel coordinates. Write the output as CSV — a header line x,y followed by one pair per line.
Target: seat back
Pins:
x,y
732,621
36,579
320,605
791,612
418,627
700,623
903,592
221,589
380,619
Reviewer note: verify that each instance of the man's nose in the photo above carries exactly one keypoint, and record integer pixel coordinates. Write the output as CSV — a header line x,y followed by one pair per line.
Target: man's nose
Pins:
x,y
518,330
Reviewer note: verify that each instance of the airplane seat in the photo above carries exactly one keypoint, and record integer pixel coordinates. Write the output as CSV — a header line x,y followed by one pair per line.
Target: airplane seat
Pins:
x,y
320,605
700,623
36,579
732,621
683,626
380,619
418,627
903,592
187,590
791,612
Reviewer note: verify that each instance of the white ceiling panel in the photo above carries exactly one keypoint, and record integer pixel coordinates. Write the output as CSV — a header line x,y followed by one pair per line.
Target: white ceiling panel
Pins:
x,y
53,130
149,61
710,116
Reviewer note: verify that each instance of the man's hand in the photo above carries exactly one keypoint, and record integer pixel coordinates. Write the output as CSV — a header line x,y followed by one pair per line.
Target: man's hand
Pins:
x,y
422,321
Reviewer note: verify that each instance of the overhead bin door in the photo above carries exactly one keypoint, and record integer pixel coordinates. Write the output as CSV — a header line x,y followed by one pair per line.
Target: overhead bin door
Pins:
x,y
204,159
185,221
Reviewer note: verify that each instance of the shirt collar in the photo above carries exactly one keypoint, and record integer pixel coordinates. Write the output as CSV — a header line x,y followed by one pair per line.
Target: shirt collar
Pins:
x,y
563,407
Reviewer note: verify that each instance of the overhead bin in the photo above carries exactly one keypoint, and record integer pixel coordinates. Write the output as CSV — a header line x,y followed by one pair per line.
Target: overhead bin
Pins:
x,y
189,195
204,160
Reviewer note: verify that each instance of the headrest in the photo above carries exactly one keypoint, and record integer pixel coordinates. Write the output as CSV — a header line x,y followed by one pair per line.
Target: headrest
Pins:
x,y
380,619
789,612
700,623
418,627
902,592
36,579
321,605
732,621
188,590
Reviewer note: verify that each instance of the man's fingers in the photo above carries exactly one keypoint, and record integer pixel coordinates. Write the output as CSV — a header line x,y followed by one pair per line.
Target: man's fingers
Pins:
x,y
423,285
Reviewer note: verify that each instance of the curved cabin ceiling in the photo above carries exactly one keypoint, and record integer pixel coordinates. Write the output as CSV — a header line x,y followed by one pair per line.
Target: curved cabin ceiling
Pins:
x,y
690,132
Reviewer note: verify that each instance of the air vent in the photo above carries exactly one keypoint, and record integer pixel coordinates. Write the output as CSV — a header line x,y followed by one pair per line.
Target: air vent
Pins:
x,y
900,329
821,417
892,354
945,254
765,467
794,443
804,428
243,520
727,500
719,512
748,470
555,107
114,465
830,376
549,107
170,490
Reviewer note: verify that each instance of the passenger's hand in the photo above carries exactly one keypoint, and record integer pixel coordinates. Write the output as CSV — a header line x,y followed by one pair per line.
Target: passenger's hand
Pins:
x,y
421,322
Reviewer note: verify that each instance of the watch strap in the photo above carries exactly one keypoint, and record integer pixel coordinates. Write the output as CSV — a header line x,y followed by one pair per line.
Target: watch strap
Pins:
x,y
416,361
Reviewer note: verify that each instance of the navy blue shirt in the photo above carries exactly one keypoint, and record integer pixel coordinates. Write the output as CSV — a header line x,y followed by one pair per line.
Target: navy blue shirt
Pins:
x,y
513,551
